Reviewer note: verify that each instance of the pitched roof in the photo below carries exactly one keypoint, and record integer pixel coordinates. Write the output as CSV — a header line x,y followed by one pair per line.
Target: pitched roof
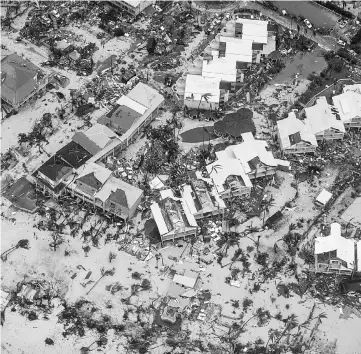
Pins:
x,y
74,154
122,116
292,125
18,78
55,168
112,185
146,96
321,117
126,101
348,105
119,197
94,175
81,139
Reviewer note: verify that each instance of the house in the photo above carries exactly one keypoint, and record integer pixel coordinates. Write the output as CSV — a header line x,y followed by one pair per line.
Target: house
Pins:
x,y
201,92
323,198
133,112
95,138
254,157
254,30
229,176
239,50
355,88
57,172
96,185
334,253
133,7
352,214
21,80
187,280
173,217
348,106
201,196
323,120
295,135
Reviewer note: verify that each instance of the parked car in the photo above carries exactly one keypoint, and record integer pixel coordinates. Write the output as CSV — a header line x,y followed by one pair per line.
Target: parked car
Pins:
x,y
308,23
341,42
343,24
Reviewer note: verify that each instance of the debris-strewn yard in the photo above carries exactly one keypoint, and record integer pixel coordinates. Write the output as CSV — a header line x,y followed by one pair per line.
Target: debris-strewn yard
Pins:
x,y
77,278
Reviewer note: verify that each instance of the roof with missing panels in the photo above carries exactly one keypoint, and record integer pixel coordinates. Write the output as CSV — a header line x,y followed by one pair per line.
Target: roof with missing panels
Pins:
x,y
321,117
292,125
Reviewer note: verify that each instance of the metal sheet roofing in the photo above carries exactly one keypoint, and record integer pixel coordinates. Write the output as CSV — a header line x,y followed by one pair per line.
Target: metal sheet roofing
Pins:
x,y
348,105
254,30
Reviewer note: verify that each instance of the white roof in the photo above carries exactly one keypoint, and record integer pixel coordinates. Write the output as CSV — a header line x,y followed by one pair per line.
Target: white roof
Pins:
x,y
270,46
240,49
355,88
223,68
353,213
158,217
100,135
321,117
132,193
254,30
146,96
135,106
324,197
292,125
100,173
184,280
224,167
348,105
197,86
345,247
133,3
251,148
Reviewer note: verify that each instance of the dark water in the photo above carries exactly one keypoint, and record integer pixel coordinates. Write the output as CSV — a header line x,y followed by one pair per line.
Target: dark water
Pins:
x,y
314,13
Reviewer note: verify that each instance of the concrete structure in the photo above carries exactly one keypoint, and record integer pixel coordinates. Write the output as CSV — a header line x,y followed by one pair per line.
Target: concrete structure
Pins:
x,y
201,92
229,177
295,135
202,197
188,280
254,157
323,198
334,253
133,7
21,80
173,217
323,121
348,106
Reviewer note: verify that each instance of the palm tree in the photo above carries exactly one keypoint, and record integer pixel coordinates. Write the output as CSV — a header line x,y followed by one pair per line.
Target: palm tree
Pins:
x,y
104,273
206,97
24,243
273,334
291,323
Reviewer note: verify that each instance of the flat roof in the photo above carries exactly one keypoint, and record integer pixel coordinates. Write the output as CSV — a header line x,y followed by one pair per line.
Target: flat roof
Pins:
x,y
241,49
292,125
324,197
254,30
223,68
184,280
134,105
348,105
197,85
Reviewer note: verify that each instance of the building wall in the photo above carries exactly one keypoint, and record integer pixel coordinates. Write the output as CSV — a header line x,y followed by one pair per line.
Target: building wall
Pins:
x,y
262,171
300,148
85,188
187,233
117,209
329,134
243,191
194,104
51,182
353,123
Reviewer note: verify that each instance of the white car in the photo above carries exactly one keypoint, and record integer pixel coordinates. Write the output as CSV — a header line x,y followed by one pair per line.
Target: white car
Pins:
x,y
341,42
343,24
308,23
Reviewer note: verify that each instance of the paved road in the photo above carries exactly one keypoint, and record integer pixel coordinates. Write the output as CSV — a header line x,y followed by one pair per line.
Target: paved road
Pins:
x,y
325,42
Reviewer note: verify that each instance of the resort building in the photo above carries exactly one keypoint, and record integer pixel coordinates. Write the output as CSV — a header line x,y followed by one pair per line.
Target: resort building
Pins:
x,y
202,197
324,121
295,135
173,217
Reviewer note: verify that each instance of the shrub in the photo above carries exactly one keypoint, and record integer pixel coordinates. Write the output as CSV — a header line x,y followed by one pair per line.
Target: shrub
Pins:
x,y
335,8
247,303
356,38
